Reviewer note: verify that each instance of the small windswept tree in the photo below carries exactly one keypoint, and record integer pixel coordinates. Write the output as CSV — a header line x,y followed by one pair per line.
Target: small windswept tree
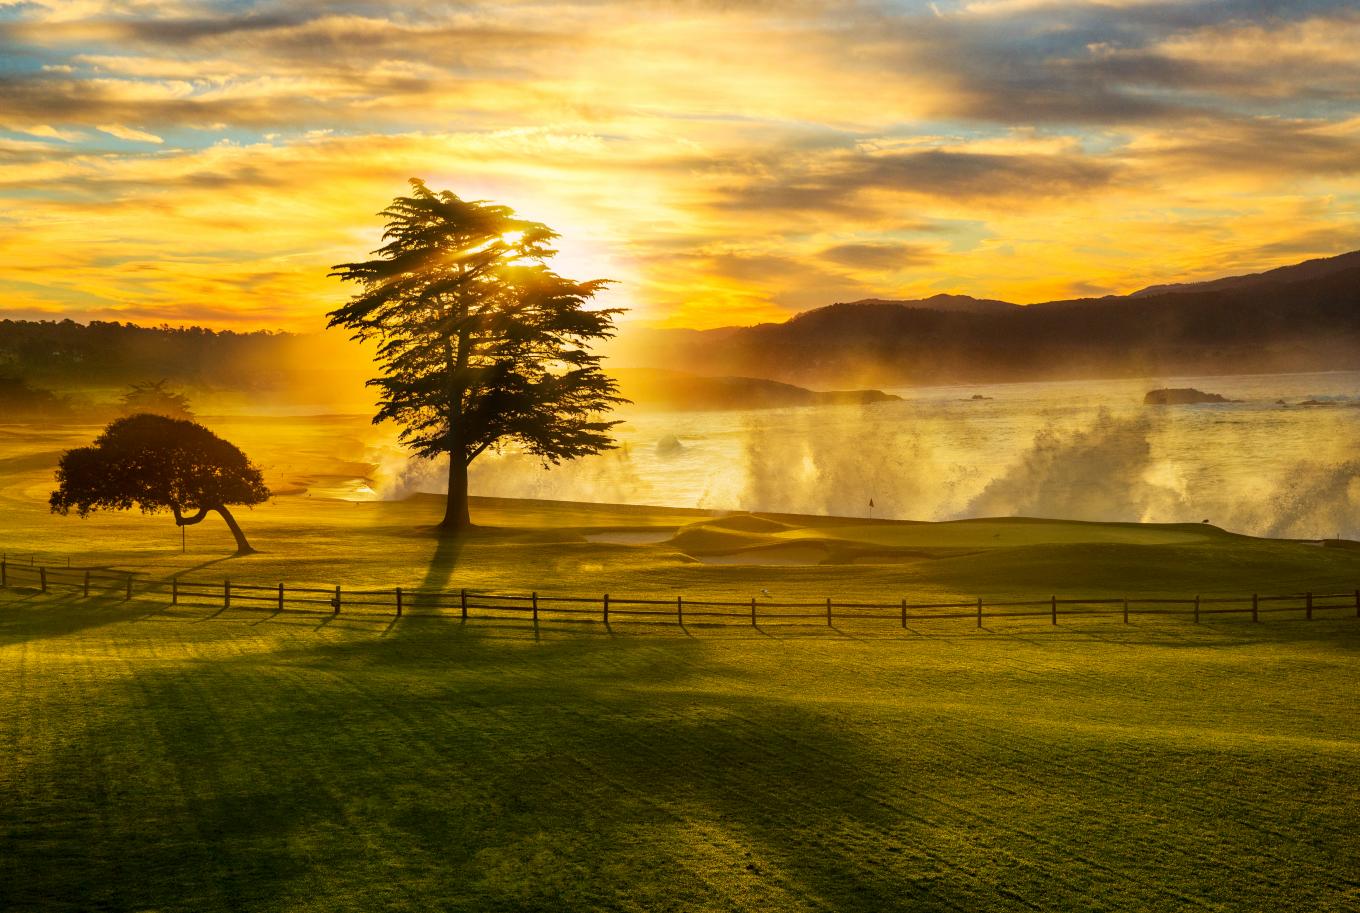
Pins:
x,y
156,398
157,463
479,342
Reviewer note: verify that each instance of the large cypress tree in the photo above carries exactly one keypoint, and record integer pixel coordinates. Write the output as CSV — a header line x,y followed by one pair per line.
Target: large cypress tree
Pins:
x,y
479,343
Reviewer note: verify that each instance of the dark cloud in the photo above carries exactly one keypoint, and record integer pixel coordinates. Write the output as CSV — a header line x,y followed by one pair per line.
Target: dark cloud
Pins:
x,y
371,101
1315,242
757,268
1065,63
791,283
304,38
1265,146
1084,289
175,32
1079,64
837,185
45,99
30,152
879,255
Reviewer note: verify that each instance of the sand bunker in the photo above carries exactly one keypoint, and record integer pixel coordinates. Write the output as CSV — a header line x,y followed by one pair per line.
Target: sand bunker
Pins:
x,y
747,523
631,536
775,556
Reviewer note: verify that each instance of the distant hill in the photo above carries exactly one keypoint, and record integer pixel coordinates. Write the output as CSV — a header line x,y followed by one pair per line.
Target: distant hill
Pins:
x,y
679,391
1300,318
955,304
1309,269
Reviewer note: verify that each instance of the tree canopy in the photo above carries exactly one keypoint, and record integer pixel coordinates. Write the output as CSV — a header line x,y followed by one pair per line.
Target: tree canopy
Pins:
x,y
157,463
479,342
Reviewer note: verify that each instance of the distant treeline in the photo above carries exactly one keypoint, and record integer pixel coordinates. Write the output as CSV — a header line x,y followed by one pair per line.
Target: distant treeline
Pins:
x,y
60,353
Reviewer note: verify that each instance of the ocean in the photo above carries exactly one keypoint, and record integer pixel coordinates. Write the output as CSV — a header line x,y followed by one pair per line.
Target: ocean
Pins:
x,y
1283,461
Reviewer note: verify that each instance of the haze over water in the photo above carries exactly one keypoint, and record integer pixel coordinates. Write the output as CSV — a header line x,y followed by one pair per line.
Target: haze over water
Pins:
x,y
1085,450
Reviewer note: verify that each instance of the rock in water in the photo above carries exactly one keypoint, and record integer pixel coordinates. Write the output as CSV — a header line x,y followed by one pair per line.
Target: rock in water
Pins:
x,y
1181,396
669,446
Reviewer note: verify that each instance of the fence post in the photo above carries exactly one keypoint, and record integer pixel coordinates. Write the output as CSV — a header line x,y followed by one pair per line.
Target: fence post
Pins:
x,y
1053,609
226,593
42,578
753,611
87,584
174,591
462,597
606,610
336,603
904,613
680,609
1309,605
398,602
1256,605
1196,608
534,597
828,611
1126,611
979,619
280,595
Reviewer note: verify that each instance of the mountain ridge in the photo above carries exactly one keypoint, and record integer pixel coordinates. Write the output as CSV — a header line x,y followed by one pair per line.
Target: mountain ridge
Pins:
x,y
1316,267
1304,317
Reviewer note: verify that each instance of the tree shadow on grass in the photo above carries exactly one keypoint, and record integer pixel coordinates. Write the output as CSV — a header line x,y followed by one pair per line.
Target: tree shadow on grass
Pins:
x,y
462,768
27,616
182,572
440,768
443,563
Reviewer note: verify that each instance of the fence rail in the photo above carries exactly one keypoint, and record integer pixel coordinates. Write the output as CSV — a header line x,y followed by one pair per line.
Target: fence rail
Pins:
x,y
678,610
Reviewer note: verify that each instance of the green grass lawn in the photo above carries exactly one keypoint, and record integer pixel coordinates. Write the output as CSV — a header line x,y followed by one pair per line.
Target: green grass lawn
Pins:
x,y
185,759
196,758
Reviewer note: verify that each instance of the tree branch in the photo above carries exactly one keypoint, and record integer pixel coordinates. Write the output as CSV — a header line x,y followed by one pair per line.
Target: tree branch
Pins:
x,y
181,520
476,453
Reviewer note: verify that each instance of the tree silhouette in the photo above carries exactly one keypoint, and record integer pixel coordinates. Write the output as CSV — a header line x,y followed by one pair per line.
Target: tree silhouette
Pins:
x,y
479,342
156,398
20,401
157,463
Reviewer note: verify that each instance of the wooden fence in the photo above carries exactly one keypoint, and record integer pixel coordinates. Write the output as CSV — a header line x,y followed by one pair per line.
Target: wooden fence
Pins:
x,y
465,604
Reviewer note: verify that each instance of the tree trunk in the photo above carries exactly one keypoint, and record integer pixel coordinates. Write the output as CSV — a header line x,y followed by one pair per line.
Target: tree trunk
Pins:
x,y
242,546
456,516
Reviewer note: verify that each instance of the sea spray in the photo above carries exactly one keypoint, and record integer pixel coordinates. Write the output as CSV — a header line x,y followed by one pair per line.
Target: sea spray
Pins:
x,y
819,462
1316,501
1102,472
606,477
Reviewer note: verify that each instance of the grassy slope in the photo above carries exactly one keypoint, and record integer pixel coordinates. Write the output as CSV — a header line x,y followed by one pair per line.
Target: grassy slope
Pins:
x,y
170,761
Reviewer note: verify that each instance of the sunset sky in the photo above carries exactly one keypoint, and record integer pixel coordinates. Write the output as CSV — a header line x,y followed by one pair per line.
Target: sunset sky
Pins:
x,y
192,161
